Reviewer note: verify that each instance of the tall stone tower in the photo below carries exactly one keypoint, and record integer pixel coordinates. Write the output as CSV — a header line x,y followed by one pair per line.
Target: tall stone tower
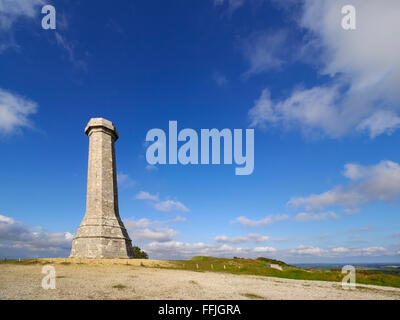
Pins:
x,y
102,233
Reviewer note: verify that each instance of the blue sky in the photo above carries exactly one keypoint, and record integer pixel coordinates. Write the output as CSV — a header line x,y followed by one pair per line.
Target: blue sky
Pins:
x,y
324,103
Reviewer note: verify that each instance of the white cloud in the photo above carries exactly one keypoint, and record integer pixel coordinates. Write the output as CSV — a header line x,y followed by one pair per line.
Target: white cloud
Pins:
x,y
263,51
12,10
146,230
14,112
159,235
364,69
370,251
398,252
380,122
369,56
369,184
165,206
170,205
340,250
311,110
131,224
264,250
251,237
262,222
144,195
309,216
183,250
308,250
351,211
357,252
178,219
16,235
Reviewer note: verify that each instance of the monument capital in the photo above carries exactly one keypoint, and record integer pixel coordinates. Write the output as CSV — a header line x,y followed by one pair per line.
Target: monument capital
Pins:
x,y
102,125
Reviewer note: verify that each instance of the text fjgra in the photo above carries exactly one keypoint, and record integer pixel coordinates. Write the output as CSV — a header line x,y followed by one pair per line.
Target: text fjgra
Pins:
x,y
208,309
189,152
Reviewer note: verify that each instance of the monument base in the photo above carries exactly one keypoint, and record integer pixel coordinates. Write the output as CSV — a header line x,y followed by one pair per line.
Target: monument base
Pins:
x,y
102,248
103,238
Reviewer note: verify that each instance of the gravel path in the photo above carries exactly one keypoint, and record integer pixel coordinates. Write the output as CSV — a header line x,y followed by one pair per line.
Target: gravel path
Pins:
x,y
93,281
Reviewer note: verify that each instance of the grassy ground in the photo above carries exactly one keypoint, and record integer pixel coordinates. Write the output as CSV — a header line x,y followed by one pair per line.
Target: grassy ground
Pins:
x,y
238,266
258,267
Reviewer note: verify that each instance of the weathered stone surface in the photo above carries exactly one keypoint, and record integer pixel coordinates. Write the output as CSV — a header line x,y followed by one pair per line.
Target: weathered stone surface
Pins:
x,y
102,233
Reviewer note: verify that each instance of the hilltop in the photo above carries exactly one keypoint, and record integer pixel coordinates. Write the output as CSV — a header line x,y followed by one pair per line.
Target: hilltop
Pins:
x,y
183,279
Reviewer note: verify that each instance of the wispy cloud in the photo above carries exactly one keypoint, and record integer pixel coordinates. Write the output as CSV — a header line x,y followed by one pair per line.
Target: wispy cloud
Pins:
x,y
263,51
310,216
251,237
171,205
159,235
69,48
166,206
220,79
335,252
380,182
308,250
15,111
144,195
230,5
150,167
340,250
143,229
262,222
13,10
132,224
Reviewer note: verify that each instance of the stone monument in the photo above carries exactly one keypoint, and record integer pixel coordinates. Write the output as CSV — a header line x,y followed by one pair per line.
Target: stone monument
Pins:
x,y
101,233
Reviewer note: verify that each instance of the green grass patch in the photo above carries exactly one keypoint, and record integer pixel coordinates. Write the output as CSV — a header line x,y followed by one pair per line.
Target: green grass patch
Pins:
x,y
22,262
259,267
119,287
252,296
